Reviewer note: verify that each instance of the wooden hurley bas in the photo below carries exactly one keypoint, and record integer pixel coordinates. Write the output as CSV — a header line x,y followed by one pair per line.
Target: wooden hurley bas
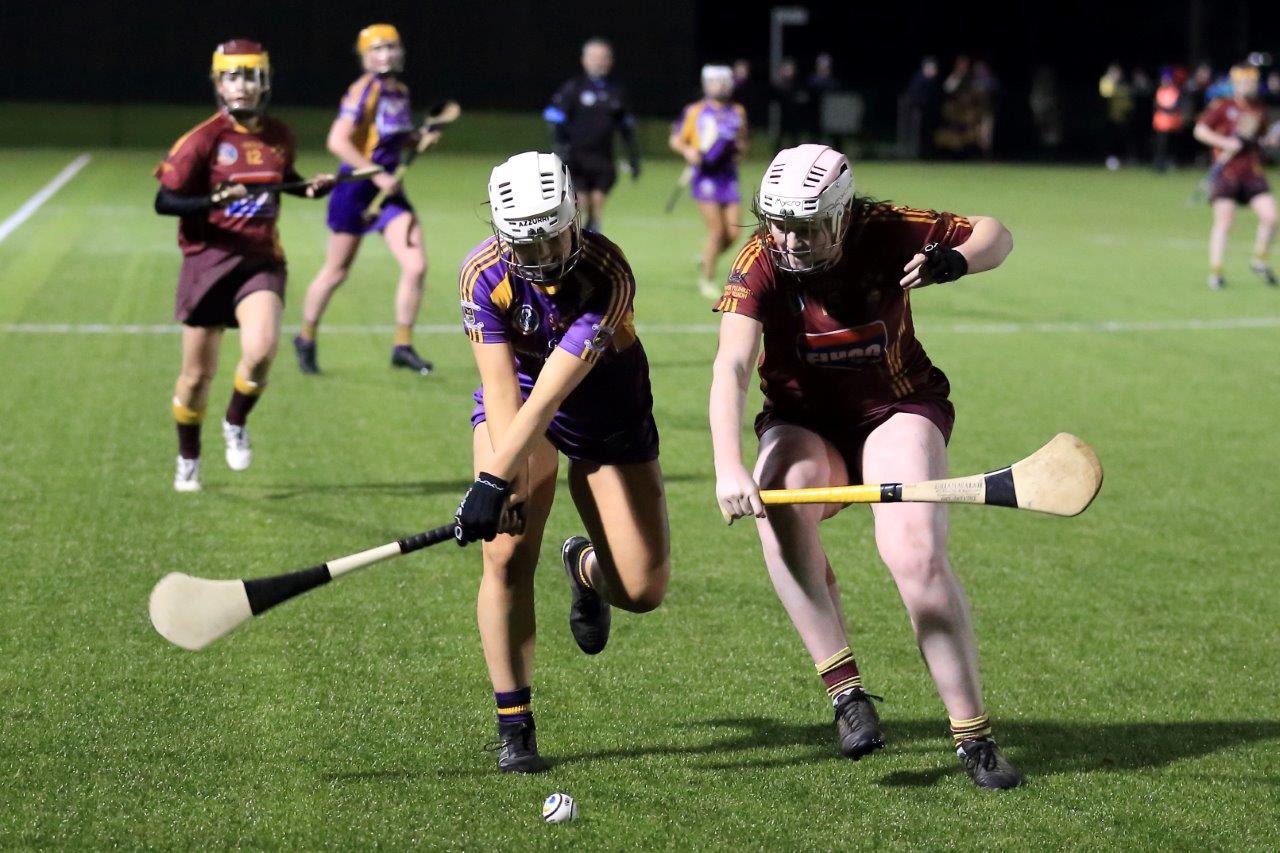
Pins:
x,y
1061,478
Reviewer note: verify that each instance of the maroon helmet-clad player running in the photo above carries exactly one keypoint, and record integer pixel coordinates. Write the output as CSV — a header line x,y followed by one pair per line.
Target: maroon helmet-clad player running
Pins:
x,y
850,397
233,271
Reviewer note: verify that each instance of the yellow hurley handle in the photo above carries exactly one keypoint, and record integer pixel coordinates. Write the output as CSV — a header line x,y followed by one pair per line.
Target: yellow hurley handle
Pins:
x,y
872,494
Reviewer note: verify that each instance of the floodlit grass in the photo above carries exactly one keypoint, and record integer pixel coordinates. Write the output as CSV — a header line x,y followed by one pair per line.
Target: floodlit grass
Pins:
x,y
1131,655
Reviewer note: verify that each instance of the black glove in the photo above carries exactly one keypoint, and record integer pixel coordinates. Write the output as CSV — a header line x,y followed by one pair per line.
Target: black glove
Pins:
x,y
942,264
481,509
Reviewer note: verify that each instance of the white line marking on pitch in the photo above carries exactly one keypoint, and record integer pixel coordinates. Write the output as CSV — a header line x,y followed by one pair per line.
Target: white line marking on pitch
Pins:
x,y
31,205
1082,326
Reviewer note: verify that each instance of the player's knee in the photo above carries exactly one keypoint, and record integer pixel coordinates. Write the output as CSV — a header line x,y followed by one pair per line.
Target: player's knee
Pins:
x,y
647,595
334,275
915,562
414,268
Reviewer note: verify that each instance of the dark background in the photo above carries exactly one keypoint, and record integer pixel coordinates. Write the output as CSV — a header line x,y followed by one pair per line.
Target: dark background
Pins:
x,y
510,56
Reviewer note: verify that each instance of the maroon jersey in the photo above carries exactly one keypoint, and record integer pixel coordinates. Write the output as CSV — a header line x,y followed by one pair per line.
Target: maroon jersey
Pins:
x,y
1232,118
840,345
217,150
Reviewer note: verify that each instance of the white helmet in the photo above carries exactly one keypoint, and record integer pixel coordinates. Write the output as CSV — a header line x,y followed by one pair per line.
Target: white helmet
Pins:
x,y
806,190
532,202
714,76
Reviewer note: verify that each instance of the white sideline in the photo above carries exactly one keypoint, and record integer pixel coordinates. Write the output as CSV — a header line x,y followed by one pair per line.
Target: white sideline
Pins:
x,y
31,205
1081,326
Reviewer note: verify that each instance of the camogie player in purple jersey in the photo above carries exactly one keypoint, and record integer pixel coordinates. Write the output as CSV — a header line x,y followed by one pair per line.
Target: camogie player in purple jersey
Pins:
x,y
547,307
373,127
711,136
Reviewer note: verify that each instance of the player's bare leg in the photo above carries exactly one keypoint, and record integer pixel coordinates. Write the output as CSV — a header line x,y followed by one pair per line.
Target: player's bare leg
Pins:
x,y
259,317
912,540
339,254
595,208
505,609
200,347
719,238
1265,207
793,457
624,508
404,238
1224,213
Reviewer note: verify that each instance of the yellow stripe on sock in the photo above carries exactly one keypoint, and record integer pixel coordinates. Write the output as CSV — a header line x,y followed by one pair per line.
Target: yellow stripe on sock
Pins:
x,y
974,727
247,386
187,416
848,684
308,332
583,575
838,659
517,709
404,335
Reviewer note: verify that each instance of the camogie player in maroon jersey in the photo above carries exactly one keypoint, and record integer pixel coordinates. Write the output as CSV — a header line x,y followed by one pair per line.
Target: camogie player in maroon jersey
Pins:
x,y
233,271
1234,128
851,397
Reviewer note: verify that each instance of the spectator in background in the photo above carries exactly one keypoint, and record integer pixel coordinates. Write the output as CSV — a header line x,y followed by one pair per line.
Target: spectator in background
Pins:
x,y
1197,89
1143,92
748,93
1046,109
791,100
986,91
920,110
1272,89
962,111
1118,102
1167,121
821,83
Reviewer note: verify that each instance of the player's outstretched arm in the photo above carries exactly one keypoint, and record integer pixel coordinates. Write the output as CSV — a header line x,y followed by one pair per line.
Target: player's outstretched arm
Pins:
x,y
736,490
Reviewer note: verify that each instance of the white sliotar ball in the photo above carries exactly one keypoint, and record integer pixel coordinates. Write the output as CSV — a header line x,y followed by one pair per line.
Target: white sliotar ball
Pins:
x,y
559,808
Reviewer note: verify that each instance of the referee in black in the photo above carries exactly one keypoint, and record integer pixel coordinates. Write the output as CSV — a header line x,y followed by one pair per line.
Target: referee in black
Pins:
x,y
584,114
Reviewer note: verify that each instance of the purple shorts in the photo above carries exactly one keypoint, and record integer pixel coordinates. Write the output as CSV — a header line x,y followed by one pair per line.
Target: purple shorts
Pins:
x,y
608,419
720,189
347,203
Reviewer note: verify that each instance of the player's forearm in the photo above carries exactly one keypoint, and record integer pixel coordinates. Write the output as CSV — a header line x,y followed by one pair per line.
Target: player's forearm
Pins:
x,y
170,203
341,146
728,400
988,245
1210,137
561,374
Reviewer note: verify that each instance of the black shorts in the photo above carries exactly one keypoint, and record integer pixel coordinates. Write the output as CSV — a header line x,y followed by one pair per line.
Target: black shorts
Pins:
x,y
593,173
1241,190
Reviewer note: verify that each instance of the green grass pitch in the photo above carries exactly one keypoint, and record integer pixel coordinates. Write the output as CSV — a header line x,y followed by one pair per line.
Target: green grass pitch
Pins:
x,y
1131,655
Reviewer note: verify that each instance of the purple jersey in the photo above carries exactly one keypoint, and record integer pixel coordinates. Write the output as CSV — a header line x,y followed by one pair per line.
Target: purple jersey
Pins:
x,y
379,108
608,417
718,131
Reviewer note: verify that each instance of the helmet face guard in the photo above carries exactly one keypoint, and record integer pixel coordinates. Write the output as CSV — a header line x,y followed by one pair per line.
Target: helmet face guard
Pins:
x,y
803,245
542,259
245,63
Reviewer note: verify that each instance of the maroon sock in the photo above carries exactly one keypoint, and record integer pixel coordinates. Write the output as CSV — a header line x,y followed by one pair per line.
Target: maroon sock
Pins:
x,y
240,406
189,441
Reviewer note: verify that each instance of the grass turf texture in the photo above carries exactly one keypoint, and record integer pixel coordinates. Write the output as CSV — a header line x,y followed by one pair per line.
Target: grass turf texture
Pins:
x,y
1131,655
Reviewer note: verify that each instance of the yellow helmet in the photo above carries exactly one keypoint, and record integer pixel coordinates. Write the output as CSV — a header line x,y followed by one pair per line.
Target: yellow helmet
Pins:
x,y
249,57
376,34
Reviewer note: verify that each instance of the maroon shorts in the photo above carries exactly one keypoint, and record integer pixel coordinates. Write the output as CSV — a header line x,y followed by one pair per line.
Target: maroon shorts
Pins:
x,y
1241,190
213,282
848,439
